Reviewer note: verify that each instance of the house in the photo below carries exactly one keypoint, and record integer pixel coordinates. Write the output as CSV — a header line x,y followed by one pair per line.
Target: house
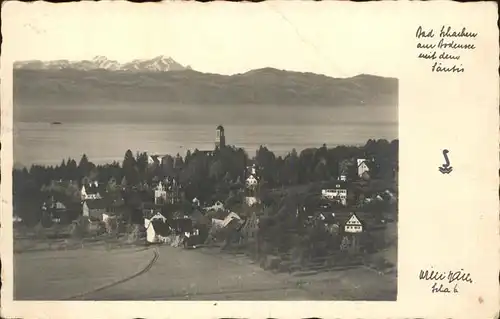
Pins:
x,y
198,218
362,167
181,225
251,201
160,194
251,181
217,223
158,216
91,191
252,169
391,196
230,218
155,217
174,192
157,231
206,153
353,225
113,185
346,169
108,216
95,209
55,210
154,160
337,193
218,206
196,202
250,227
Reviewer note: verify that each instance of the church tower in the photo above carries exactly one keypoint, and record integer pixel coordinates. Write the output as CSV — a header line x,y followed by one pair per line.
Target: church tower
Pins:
x,y
220,139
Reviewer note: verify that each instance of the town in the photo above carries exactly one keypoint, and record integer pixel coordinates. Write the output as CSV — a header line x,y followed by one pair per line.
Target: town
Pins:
x,y
336,205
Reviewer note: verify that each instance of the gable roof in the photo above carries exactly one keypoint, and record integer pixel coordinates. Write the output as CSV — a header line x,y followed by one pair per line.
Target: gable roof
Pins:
x,y
156,159
161,228
93,189
158,216
361,161
198,218
252,176
97,204
353,220
230,217
59,205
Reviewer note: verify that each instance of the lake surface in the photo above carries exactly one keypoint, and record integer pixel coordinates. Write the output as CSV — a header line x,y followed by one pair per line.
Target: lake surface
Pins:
x,y
106,132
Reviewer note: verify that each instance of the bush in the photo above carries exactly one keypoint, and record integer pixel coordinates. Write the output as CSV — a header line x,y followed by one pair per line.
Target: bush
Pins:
x,y
136,233
79,228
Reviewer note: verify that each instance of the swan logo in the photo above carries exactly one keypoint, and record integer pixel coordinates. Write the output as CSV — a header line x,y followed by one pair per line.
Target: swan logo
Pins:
x,y
446,168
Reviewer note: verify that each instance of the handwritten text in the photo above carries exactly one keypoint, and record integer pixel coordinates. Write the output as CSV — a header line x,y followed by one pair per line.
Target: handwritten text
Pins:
x,y
444,48
445,281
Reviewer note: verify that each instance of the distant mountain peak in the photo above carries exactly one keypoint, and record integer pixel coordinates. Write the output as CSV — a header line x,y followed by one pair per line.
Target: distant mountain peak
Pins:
x,y
100,58
265,86
161,63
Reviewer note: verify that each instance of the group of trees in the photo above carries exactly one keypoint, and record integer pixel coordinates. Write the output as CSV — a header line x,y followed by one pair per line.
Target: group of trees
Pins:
x,y
209,175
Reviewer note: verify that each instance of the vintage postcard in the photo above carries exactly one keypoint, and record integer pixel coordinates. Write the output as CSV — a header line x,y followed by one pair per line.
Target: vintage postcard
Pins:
x,y
284,159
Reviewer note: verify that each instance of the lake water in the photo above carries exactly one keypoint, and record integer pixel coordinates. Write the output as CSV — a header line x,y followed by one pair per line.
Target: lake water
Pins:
x,y
105,133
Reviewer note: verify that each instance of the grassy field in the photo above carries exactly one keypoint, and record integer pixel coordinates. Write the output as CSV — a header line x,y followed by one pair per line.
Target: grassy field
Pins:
x,y
59,274
180,274
196,275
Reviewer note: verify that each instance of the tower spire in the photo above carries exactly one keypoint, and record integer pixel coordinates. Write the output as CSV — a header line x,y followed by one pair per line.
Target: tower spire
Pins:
x,y
220,139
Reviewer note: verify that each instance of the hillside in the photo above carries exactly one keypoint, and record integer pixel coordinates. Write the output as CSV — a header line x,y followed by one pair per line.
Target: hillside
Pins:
x,y
65,86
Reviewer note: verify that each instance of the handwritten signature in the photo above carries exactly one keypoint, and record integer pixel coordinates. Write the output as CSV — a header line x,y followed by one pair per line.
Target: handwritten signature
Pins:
x,y
448,277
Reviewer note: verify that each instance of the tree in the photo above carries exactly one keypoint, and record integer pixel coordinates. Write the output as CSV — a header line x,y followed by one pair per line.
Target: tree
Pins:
x,y
188,156
320,172
84,166
129,160
167,166
124,182
266,162
216,170
129,169
142,165
291,167
227,178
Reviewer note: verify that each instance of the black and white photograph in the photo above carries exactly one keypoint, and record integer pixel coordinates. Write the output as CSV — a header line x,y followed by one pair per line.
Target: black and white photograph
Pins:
x,y
186,165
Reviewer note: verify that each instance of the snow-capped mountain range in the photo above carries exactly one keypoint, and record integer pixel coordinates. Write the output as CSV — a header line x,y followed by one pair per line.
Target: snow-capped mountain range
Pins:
x,y
158,64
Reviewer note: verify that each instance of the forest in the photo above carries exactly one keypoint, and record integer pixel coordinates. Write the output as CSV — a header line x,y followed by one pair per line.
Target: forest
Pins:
x,y
208,177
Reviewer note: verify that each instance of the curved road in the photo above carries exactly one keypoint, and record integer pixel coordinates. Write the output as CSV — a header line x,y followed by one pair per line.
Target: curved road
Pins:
x,y
201,274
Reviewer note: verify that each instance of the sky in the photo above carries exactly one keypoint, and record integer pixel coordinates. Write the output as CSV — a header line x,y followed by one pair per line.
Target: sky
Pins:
x,y
340,40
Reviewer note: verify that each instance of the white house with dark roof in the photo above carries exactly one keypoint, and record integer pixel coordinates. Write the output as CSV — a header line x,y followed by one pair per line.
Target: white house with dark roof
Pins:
x,y
362,166
91,191
160,194
336,193
251,181
196,202
353,225
154,160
